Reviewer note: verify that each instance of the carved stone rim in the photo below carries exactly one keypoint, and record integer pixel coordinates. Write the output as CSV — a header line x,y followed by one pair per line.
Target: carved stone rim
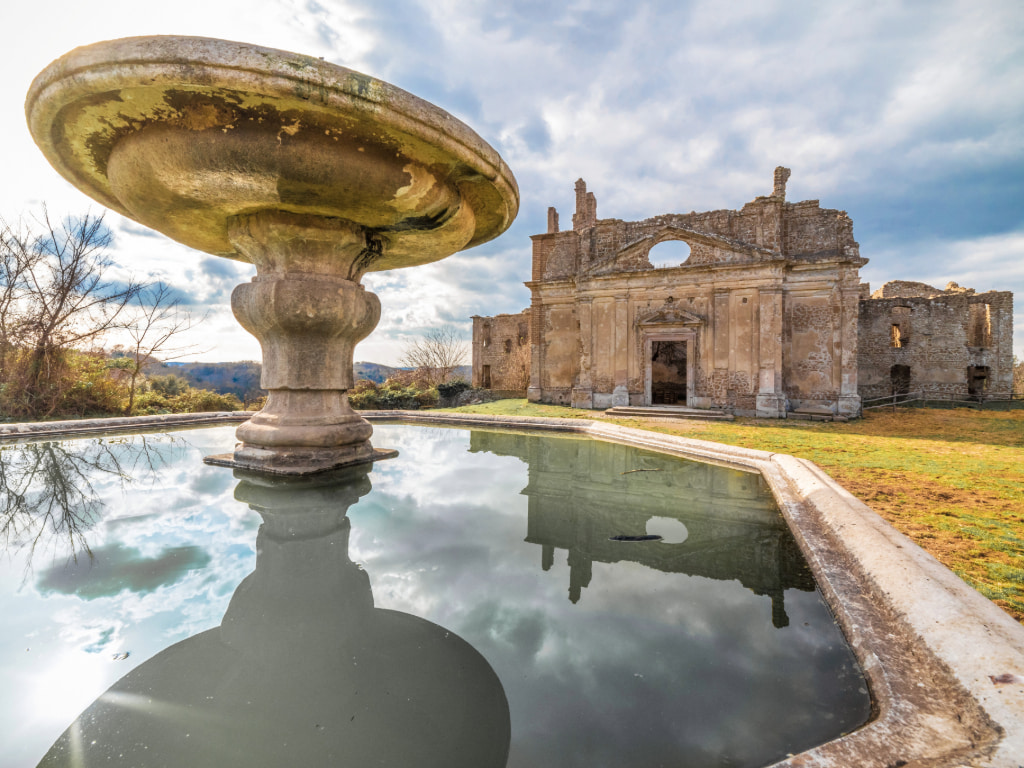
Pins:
x,y
163,62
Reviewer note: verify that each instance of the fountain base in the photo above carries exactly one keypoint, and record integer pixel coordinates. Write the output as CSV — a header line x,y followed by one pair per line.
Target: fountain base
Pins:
x,y
302,432
298,462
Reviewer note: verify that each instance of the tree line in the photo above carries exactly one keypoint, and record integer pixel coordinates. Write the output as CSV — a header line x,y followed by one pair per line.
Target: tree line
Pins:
x,y
61,299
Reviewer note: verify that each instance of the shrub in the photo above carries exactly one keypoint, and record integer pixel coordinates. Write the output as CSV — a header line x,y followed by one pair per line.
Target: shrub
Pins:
x,y
150,403
203,400
76,384
394,394
169,385
448,394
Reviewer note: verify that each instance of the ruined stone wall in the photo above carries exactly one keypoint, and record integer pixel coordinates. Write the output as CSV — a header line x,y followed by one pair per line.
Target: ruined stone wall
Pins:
x,y
764,229
906,289
555,256
944,337
764,302
814,232
495,339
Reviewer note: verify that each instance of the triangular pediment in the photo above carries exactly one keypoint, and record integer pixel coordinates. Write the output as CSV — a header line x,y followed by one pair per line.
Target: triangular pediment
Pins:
x,y
669,315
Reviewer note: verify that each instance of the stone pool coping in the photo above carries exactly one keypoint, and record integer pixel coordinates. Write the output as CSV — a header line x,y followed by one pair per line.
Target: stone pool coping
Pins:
x,y
47,430
935,652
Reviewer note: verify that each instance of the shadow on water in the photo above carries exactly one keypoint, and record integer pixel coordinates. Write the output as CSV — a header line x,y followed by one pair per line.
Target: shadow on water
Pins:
x,y
303,669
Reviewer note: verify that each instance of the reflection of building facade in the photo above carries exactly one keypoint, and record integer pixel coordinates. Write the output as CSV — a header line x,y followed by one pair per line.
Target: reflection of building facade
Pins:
x,y
584,492
766,316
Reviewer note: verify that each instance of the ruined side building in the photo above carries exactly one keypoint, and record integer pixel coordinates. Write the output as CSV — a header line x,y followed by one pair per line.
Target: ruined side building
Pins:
x,y
942,343
766,316
495,340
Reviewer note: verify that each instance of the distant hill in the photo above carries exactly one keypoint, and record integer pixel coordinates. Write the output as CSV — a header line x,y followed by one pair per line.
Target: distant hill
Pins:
x,y
375,372
243,378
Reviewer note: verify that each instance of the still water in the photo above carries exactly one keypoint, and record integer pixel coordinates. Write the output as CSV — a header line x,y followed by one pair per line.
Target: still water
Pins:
x,y
484,599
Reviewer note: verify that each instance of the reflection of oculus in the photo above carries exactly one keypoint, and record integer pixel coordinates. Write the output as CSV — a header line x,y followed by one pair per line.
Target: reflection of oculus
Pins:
x,y
587,497
303,670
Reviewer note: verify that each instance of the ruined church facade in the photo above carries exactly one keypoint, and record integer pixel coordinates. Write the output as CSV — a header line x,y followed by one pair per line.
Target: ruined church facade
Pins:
x,y
761,318
766,316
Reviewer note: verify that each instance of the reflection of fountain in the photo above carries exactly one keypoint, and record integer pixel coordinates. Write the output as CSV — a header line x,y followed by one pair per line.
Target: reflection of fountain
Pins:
x,y
312,172
582,493
303,669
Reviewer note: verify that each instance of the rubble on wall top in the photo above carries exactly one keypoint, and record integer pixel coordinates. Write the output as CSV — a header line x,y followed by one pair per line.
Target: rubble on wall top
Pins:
x,y
907,289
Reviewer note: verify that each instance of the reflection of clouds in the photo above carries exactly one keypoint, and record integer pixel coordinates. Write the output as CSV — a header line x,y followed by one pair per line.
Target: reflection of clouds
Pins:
x,y
116,568
439,457
627,661
90,636
169,546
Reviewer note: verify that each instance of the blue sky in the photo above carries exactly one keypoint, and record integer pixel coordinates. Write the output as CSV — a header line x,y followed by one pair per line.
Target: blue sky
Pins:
x,y
910,116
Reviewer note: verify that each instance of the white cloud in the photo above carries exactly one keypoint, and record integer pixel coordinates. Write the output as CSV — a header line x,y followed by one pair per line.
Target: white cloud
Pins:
x,y
907,116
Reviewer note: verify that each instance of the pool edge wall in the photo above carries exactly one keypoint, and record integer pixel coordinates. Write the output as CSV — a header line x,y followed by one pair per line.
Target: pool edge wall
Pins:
x,y
929,644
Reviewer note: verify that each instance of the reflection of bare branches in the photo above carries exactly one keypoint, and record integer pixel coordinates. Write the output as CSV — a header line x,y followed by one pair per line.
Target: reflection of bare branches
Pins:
x,y
48,500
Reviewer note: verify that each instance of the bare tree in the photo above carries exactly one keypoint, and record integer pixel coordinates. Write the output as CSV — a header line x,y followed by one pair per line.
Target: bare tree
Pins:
x,y
56,296
153,330
436,354
15,261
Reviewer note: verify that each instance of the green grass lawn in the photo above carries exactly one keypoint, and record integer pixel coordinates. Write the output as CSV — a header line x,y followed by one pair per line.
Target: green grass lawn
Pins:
x,y
951,480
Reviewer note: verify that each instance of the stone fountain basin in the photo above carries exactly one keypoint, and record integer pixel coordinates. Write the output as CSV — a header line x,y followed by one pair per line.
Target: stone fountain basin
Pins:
x,y
185,135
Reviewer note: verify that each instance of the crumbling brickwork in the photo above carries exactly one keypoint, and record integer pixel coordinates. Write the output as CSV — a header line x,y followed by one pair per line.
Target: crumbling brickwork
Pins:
x,y
497,342
951,342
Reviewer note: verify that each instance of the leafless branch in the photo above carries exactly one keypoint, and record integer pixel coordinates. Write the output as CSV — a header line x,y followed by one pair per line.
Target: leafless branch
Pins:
x,y
436,354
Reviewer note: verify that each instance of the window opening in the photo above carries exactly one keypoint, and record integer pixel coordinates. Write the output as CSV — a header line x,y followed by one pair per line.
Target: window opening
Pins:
x,y
670,253
977,379
979,324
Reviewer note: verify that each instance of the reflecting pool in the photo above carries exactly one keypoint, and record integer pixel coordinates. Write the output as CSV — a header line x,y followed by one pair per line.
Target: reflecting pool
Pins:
x,y
486,598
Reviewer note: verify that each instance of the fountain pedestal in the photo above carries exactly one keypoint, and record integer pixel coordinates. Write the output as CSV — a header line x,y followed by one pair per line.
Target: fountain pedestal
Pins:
x,y
312,172
308,310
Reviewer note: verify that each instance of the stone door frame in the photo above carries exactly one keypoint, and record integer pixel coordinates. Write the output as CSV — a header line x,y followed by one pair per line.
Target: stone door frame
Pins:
x,y
690,338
